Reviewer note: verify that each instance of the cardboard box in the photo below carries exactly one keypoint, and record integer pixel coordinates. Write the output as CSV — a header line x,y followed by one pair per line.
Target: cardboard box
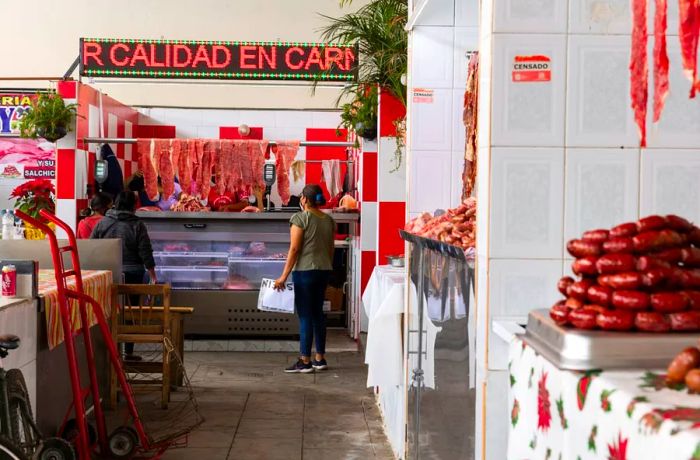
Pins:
x,y
335,296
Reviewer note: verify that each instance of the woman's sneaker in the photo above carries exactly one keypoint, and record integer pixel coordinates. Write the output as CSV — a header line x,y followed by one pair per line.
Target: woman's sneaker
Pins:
x,y
299,367
321,365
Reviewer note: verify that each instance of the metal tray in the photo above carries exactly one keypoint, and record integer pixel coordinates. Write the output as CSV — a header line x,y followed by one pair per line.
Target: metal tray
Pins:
x,y
580,350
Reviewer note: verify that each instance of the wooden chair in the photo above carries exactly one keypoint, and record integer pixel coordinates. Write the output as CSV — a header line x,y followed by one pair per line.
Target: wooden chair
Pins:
x,y
139,320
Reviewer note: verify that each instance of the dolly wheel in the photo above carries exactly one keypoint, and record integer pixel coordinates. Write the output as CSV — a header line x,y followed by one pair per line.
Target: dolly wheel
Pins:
x,y
70,432
122,442
55,449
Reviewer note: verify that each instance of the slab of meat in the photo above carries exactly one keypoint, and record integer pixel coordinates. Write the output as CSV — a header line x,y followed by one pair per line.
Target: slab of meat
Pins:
x,y
198,170
660,58
639,68
164,167
688,30
286,152
146,149
175,146
258,158
185,165
469,117
246,165
223,168
209,158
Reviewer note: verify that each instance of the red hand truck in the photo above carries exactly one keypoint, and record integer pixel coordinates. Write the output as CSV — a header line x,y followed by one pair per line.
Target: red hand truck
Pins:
x,y
124,441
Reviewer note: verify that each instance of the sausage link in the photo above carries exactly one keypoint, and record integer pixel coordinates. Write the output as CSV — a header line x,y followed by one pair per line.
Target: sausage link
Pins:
x,y
615,320
669,302
651,321
601,295
615,263
624,230
580,248
649,223
616,245
685,321
585,266
678,223
630,300
595,236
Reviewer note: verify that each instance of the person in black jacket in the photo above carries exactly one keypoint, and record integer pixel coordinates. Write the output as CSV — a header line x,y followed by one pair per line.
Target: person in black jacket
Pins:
x,y
122,223
137,253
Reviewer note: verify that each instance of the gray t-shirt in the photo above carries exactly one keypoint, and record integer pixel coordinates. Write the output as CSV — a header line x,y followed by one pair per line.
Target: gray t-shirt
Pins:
x,y
318,241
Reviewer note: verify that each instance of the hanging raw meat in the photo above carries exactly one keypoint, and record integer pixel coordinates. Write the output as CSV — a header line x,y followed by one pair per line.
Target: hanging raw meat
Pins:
x,y
209,158
175,146
469,117
688,30
639,69
660,58
185,165
164,166
146,165
286,151
224,167
246,165
258,157
198,170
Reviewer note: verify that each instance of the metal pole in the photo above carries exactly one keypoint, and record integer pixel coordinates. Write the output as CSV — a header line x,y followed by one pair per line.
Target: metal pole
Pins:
x,y
116,140
418,372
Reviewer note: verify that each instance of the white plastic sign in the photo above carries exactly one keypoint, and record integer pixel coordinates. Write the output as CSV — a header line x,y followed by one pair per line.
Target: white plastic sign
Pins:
x,y
273,300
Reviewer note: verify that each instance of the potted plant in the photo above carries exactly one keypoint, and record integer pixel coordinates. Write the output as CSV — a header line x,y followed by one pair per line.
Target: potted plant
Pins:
x,y
378,29
49,117
360,115
31,197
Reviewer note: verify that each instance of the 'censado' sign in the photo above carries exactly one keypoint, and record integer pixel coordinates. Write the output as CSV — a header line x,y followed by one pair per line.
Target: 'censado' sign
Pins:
x,y
107,57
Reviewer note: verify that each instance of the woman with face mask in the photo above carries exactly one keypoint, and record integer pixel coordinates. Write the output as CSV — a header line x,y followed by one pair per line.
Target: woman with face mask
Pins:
x,y
310,262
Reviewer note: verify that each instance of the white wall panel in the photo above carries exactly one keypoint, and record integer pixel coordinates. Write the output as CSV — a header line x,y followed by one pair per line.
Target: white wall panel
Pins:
x,y
600,17
483,200
528,113
430,181
679,125
458,130
432,59
467,13
291,119
602,189
527,203
598,102
671,183
437,13
456,177
534,16
432,125
466,39
517,286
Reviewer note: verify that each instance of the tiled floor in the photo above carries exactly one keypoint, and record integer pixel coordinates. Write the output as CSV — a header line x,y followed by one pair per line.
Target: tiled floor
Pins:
x,y
253,410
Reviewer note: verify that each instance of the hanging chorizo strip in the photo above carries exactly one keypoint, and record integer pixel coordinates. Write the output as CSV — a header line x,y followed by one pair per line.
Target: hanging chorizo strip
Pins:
x,y
639,68
145,148
660,58
688,29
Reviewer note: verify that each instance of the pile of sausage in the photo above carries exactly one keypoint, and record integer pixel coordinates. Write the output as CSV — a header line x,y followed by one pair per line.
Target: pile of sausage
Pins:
x,y
685,368
641,275
456,227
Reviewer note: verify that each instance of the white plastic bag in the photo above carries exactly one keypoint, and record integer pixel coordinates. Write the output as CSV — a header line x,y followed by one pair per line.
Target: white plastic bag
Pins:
x,y
276,301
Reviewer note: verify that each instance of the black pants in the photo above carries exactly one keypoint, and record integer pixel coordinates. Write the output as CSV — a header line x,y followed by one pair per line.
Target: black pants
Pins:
x,y
133,277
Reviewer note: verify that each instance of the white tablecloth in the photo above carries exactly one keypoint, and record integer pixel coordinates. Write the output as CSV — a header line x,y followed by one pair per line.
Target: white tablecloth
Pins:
x,y
383,301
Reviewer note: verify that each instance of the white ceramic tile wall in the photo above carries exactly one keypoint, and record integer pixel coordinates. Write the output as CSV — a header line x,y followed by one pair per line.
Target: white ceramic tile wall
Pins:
x,y
431,194
458,130
466,39
679,125
600,17
483,196
391,186
602,189
467,13
438,13
368,226
526,203
517,286
432,57
455,175
670,183
534,16
528,113
432,125
598,113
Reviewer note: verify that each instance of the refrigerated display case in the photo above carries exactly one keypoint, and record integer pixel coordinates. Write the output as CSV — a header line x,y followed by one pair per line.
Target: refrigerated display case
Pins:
x,y
215,263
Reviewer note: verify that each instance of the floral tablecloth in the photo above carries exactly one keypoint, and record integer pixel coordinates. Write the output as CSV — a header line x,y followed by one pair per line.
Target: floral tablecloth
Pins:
x,y
615,415
96,283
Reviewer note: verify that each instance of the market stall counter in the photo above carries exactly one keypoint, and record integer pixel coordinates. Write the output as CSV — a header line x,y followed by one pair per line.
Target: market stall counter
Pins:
x,y
215,261
617,414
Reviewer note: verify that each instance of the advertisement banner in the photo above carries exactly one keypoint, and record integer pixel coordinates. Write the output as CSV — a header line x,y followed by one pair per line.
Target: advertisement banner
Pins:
x,y
12,107
27,159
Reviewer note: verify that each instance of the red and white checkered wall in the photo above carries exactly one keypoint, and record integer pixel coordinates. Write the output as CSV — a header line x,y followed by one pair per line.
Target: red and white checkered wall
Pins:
x,y
383,191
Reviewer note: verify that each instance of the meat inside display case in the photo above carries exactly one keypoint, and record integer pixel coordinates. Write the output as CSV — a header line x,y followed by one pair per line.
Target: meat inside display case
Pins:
x,y
215,262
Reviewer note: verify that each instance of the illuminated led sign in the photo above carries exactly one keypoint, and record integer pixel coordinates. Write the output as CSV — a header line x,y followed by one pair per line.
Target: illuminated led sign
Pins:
x,y
187,59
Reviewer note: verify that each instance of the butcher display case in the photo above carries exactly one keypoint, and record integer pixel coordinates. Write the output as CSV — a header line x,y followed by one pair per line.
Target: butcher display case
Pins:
x,y
215,263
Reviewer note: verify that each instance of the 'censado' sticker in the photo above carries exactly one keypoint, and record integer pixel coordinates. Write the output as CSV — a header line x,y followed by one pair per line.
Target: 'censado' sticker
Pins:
x,y
532,69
